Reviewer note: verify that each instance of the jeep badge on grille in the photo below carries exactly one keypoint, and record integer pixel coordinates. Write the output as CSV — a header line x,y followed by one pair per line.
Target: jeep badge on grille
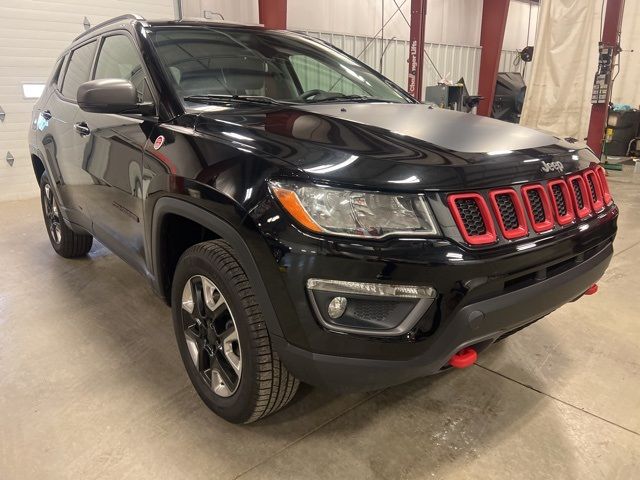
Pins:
x,y
547,167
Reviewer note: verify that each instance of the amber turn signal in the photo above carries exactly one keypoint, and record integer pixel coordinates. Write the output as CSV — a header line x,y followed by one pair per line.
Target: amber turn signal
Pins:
x,y
291,203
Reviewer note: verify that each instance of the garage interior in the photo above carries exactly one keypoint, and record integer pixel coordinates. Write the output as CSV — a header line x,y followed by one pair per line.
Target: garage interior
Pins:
x,y
92,384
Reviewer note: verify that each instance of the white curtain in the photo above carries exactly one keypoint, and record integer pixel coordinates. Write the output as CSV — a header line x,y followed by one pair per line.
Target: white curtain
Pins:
x,y
564,64
626,88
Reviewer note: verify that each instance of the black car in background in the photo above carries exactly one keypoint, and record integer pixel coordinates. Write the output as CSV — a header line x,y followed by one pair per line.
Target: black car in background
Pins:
x,y
303,216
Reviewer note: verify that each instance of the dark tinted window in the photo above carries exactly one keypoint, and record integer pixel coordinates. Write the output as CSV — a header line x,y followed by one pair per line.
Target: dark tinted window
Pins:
x,y
118,58
79,69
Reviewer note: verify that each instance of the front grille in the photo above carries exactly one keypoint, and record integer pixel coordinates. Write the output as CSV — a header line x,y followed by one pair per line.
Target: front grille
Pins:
x,y
507,211
575,184
561,201
595,190
537,208
471,216
558,197
592,189
556,203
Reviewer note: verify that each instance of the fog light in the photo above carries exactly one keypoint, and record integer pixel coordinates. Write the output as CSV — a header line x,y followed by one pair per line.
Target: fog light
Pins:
x,y
337,306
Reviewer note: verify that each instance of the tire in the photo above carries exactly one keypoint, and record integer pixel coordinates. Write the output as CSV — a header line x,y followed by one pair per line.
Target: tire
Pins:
x,y
223,338
65,242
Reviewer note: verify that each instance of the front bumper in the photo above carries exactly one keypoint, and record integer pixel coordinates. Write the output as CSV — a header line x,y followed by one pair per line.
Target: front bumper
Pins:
x,y
478,324
481,297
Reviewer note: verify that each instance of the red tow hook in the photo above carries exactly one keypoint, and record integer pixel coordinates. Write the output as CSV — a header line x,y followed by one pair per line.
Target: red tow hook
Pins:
x,y
464,358
591,290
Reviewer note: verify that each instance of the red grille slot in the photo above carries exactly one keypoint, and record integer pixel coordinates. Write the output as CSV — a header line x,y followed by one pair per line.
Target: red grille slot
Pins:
x,y
538,207
509,212
579,195
595,190
606,194
472,217
561,201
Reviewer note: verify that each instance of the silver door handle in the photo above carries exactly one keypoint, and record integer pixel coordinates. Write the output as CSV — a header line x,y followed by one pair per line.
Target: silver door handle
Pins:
x,y
82,128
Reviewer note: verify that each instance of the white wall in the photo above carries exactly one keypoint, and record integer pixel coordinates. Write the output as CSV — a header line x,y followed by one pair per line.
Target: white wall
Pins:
x,y
515,34
625,87
241,11
33,33
453,22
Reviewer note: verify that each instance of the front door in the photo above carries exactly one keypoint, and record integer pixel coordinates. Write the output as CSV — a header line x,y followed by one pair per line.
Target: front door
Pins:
x,y
112,155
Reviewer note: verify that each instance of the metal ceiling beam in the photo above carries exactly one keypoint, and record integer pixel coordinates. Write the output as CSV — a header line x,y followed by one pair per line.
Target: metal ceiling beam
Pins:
x,y
494,21
610,38
416,45
273,13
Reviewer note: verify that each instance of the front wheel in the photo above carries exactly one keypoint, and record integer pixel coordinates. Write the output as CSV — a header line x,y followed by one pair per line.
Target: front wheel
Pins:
x,y
223,338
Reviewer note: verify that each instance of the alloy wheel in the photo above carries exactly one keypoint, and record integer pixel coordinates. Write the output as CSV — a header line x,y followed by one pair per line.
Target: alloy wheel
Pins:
x,y
211,335
52,214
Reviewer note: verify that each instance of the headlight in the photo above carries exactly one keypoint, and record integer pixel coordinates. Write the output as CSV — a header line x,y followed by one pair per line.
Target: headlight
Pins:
x,y
355,213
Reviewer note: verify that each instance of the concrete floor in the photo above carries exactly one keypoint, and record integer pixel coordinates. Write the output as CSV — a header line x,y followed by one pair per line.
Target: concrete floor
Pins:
x,y
91,386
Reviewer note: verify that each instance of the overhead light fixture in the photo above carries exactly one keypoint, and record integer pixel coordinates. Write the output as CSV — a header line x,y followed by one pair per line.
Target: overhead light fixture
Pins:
x,y
32,90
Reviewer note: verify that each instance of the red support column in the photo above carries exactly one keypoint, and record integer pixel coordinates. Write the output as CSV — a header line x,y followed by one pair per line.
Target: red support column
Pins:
x,y
610,38
494,21
273,13
416,47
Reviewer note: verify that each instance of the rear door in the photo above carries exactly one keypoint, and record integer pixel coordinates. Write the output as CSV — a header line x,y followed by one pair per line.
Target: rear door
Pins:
x,y
61,140
112,154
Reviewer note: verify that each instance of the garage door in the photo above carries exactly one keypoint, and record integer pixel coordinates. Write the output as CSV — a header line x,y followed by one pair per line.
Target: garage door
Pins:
x,y
32,35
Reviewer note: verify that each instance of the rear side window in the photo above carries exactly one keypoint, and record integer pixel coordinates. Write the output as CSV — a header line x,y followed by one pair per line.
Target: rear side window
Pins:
x,y
79,69
55,74
118,58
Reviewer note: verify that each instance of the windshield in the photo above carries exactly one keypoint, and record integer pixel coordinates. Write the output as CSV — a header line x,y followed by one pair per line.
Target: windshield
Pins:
x,y
208,63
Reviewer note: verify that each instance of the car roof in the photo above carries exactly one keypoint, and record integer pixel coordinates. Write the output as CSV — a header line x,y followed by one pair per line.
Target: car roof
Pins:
x,y
130,19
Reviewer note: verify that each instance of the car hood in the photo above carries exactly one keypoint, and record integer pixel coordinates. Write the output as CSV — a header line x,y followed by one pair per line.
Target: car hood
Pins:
x,y
394,146
446,129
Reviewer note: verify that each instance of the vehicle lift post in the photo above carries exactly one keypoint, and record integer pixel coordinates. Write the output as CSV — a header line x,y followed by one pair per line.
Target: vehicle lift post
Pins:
x,y
273,13
601,96
416,47
494,22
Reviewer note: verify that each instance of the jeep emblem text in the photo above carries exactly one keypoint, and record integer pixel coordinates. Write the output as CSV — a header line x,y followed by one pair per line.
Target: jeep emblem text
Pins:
x,y
551,167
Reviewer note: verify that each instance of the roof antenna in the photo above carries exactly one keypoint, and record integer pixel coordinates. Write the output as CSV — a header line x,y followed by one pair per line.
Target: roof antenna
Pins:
x,y
86,23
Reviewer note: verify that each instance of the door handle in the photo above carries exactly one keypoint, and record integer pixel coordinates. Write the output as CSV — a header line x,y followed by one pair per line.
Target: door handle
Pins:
x,y
46,115
82,128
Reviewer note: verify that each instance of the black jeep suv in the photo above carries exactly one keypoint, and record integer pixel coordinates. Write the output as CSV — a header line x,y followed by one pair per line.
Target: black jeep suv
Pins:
x,y
303,216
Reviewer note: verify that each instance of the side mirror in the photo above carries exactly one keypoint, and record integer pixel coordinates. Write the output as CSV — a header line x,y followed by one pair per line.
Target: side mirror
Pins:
x,y
111,95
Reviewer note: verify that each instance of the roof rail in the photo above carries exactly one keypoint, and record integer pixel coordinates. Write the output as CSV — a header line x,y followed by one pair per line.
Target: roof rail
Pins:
x,y
128,16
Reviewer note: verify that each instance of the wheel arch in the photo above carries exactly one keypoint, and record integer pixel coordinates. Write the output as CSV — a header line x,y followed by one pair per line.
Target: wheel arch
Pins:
x,y
38,167
163,264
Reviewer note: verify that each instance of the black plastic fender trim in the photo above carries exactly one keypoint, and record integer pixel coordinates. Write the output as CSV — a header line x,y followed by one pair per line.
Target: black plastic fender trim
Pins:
x,y
224,230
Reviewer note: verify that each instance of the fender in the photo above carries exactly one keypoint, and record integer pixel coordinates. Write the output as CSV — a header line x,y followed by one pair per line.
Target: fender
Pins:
x,y
224,230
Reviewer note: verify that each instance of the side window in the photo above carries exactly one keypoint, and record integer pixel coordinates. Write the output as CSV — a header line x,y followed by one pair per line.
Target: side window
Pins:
x,y
79,69
55,74
118,58
316,75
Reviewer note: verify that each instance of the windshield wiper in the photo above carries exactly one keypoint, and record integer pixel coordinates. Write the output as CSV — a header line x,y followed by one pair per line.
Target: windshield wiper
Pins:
x,y
349,98
214,97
